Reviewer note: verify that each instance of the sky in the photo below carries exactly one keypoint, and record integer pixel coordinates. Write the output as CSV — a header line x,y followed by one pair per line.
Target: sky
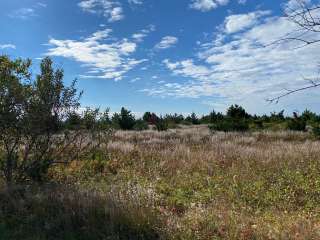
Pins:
x,y
167,56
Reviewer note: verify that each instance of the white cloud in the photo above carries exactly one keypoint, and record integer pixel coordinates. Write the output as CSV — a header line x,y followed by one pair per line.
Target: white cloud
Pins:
x,y
105,60
139,36
239,22
207,5
243,68
110,9
242,1
167,42
116,14
4,46
137,2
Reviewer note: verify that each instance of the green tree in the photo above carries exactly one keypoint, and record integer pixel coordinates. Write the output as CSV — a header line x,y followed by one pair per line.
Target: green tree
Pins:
x,y
73,121
31,113
193,119
105,121
125,120
150,118
237,112
90,120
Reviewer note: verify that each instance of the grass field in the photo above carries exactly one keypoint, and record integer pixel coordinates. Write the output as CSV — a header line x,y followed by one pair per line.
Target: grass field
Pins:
x,y
185,183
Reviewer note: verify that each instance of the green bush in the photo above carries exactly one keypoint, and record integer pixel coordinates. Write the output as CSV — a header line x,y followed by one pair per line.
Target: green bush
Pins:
x,y
316,131
140,125
162,124
230,125
32,109
296,124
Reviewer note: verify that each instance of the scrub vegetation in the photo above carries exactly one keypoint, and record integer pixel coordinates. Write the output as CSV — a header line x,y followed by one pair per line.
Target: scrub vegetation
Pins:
x,y
66,175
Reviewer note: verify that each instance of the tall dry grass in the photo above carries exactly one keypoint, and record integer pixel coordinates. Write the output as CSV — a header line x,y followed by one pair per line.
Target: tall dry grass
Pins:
x,y
187,183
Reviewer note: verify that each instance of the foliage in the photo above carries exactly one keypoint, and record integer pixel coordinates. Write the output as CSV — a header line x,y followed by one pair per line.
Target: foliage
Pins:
x,y
73,121
316,131
183,184
230,125
150,118
104,120
31,118
193,119
140,125
124,120
162,124
277,117
89,119
174,118
31,112
237,112
297,123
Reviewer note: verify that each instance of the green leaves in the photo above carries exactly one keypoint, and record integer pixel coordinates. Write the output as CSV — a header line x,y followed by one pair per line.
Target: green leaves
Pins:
x,y
31,112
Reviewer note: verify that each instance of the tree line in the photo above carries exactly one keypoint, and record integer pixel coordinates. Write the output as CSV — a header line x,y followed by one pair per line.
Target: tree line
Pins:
x,y
236,118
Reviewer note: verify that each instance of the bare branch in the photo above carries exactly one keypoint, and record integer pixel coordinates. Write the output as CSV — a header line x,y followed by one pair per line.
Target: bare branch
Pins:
x,y
307,21
276,99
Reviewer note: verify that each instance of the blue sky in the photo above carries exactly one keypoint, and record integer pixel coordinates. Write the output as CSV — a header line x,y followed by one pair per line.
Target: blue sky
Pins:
x,y
166,55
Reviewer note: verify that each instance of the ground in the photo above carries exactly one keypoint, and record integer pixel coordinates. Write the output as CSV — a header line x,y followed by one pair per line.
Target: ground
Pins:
x,y
185,183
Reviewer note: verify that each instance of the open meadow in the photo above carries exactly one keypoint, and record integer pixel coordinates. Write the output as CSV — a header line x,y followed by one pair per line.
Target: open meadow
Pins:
x,y
159,120
185,183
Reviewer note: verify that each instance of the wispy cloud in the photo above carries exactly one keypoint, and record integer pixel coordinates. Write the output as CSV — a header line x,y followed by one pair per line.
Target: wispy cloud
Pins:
x,y
105,60
110,9
23,13
135,79
139,36
4,46
167,42
137,2
27,12
242,66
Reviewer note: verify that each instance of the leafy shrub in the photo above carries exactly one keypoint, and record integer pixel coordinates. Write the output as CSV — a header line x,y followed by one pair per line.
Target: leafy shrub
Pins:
x,y
174,118
140,125
104,121
162,124
230,125
73,121
31,111
90,118
316,131
297,124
